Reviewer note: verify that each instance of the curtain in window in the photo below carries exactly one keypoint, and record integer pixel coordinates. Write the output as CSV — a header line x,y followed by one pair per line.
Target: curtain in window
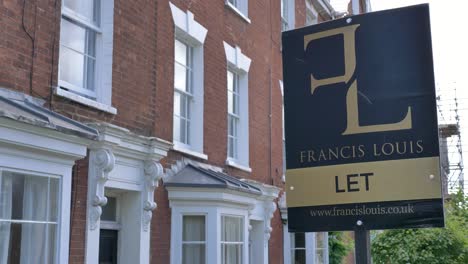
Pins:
x,y
28,218
193,249
5,214
35,207
232,240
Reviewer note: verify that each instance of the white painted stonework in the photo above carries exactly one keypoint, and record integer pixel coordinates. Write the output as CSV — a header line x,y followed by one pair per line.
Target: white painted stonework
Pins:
x,y
123,162
38,151
256,210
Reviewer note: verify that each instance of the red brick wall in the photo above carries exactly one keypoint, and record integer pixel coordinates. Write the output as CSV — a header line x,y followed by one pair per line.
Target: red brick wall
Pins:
x,y
143,88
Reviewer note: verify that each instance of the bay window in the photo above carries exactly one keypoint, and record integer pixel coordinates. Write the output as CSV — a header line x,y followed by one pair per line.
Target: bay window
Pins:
x,y
28,218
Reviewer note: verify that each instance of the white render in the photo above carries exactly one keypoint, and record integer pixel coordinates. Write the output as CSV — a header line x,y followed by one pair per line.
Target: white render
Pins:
x,y
129,164
256,211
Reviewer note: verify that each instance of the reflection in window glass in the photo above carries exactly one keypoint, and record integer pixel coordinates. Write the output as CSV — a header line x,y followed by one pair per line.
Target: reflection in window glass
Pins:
x,y
78,36
182,91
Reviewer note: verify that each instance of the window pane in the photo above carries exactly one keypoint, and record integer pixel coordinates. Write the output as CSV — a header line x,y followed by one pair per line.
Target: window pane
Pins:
x,y
71,67
231,254
177,104
230,81
232,229
180,52
90,67
183,135
320,256
182,104
72,36
28,242
298,257
230,126
233,2
176,130
109,211
230,102
25,197
187,133
180,77
236,104
91,44
299,240
87,9
320,240
231,147
194,228
193,254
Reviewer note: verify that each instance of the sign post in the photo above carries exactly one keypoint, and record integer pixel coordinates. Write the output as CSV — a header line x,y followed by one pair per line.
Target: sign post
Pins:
x,y
361,125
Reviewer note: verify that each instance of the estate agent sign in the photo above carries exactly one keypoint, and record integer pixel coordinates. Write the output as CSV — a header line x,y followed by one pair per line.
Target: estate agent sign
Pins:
x,y
361,123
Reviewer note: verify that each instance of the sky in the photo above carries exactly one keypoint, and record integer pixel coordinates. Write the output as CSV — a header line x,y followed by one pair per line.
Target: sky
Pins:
x,y
449,28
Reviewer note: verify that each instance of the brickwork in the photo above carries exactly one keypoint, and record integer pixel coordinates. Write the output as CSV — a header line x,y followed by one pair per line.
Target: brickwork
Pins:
x,y
142,88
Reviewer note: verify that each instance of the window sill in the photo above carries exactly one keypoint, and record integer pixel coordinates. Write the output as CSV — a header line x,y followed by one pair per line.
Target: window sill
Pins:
x,y
85,101
235,164
238,12
179,148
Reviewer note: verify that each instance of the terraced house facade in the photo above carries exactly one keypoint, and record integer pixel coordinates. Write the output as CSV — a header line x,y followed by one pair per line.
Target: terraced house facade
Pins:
x,y
146,131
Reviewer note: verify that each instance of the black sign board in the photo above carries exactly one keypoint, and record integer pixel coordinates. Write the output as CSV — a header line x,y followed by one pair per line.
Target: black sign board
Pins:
x,y
361,123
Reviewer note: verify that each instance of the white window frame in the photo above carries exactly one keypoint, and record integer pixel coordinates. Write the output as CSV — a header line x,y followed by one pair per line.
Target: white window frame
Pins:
x,y
295,248
187,93
234,116
283,177
288,17
37,151
112,225
325,249
193,34
310,11
310,247
22,221
239,63
193,242
239,7
101,98
213,203
213,213
243,241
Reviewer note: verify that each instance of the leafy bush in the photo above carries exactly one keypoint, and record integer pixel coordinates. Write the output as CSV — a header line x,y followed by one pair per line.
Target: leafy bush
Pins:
x,y
338,247
447,245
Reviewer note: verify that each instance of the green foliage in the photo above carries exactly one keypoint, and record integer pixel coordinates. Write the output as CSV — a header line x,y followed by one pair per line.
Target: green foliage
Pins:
x,y
447,245
338,247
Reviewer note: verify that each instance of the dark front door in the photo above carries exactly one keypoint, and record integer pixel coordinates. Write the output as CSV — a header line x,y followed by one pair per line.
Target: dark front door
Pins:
x,y
108,246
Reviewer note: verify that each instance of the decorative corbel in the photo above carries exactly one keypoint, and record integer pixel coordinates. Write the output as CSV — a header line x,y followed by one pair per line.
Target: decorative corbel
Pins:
x,y
153,173
102,162
270,208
